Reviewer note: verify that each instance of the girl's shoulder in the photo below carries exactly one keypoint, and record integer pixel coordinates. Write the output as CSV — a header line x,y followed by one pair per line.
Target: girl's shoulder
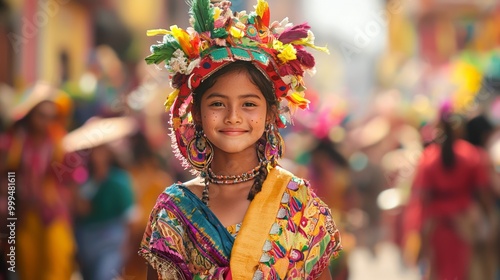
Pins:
x,y
179,192
300,180
194,186
296,185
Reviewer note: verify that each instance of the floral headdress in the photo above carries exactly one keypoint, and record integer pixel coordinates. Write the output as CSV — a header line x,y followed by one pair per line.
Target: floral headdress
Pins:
x,y
218,37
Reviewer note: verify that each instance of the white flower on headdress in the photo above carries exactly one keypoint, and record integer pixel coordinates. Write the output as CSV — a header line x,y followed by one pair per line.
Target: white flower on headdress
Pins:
x,y
178,62
287,79
192,65
178,53
242,17
311,71
279,27
165,39
310,37
291,80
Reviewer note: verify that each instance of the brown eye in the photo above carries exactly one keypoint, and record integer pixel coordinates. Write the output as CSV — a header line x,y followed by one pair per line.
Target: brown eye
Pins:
x,y
216,104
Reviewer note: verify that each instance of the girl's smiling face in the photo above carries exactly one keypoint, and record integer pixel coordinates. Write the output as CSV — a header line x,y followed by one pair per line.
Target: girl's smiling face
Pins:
x,y
233,113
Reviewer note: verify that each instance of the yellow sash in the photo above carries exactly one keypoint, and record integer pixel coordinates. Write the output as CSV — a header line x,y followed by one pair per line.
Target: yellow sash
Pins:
x,y
256,225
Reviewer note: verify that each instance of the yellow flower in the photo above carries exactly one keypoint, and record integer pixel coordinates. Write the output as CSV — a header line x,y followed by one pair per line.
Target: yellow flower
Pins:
x,y
298,100
170,99
184,40
204,45
236,33
277,45
217,12
261,8
287,53
309,42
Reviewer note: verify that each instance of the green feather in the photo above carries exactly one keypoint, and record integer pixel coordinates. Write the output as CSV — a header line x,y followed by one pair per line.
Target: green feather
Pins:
x,y
202,14
219,33
164,51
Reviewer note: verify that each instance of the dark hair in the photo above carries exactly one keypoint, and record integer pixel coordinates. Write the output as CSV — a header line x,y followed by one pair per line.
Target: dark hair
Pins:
x,y
112,162
447,154
25,120
452,124
141,148
264,85
327,148
477,130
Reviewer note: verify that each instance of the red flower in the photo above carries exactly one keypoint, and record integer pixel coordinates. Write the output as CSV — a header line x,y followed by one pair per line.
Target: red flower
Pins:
x,y
291,68
294,33
305,58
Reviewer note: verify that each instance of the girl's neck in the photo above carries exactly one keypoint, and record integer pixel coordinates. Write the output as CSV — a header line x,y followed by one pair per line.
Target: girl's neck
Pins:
x,y
233,164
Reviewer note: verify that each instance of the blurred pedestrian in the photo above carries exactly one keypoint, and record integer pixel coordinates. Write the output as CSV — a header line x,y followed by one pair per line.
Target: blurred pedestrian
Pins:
x,y
485,251
494,149
330,172
449,176
30,148
149,178
104,201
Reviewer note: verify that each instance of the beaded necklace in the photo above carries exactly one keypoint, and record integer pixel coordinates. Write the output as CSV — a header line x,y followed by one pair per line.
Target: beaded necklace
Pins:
x,y
211,177
233,179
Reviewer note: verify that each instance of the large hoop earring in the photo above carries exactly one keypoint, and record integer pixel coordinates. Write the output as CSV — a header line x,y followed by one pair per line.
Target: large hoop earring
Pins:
x,y
200,151
272,148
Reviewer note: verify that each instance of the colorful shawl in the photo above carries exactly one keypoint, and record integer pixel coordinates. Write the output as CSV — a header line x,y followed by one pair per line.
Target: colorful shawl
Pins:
x,y
287,233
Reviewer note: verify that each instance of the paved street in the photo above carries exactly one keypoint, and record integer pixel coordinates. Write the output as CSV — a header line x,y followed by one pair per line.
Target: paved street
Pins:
x,y
385,266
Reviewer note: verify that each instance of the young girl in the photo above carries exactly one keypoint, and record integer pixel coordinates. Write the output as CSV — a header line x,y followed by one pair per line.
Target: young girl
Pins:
x,y
237,78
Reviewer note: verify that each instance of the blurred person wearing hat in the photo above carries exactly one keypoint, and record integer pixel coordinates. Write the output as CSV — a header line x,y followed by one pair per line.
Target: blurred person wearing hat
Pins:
x,y
238,78
103,197
450,185
30,148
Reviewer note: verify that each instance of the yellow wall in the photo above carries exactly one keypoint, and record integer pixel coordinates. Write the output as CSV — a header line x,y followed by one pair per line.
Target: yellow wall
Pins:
x,y
68,30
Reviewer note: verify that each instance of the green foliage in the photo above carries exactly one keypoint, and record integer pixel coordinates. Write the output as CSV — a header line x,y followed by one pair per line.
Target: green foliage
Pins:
x,y
202,14
164,51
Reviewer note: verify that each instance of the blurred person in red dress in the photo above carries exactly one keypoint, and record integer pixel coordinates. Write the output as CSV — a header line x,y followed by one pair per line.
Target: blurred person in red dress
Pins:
x,y
448,179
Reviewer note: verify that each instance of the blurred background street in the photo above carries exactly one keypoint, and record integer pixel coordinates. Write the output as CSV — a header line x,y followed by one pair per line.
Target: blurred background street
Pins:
x,y
402,137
